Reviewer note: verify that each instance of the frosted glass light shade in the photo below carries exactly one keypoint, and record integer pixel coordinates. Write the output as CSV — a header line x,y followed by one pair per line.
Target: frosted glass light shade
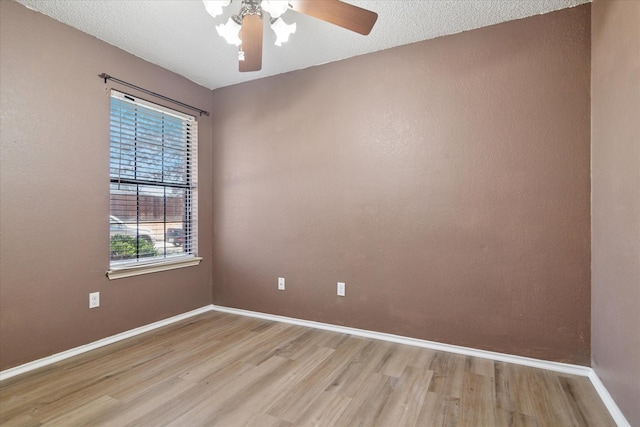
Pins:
x,y
214,7
230,32
275,7
282,30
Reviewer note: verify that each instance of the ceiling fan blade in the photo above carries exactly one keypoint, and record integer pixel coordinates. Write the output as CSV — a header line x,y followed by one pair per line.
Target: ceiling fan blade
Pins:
x,y
342,14
251,35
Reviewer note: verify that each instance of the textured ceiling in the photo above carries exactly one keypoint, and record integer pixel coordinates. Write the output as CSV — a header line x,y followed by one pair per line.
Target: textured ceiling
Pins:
x,y
180,35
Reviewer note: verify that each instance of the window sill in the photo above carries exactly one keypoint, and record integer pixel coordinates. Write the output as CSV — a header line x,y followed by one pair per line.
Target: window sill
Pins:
x,y
136,270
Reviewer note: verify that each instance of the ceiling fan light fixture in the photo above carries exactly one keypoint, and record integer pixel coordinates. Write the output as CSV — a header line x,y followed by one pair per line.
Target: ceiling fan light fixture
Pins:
x,y
282,30
246,29
275,8
214,7
230,31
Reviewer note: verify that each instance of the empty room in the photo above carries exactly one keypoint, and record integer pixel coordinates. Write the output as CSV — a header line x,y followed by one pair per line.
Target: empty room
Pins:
x,y
320,213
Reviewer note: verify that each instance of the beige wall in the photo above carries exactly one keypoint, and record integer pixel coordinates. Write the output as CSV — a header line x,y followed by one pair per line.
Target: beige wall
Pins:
x,y
446,182
616,201
54,191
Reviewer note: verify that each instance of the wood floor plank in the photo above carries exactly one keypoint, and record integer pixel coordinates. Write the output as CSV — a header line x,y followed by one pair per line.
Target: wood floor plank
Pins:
x,y
478,400
69,380
296,400
366,406
448,375
164,413
131,377
421,357
369,359
505,395
21,421
264,420
514,419
439,410
228,370
137,407
82,415
407,398
276,341
482,366
224,401
585,405
260,396
325,410
395,361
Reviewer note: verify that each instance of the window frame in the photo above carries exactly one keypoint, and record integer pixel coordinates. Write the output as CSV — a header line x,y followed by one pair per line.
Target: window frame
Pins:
x,y
139,265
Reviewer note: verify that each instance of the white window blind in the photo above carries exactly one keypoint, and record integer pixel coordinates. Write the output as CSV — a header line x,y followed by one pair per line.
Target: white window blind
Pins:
x,y
153,183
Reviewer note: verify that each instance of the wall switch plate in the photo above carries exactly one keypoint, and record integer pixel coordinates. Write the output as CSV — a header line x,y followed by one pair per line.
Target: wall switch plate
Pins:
x,y
341,289
94,299
281,283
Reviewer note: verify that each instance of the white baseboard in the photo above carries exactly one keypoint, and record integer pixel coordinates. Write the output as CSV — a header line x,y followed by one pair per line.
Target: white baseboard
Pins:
x,y
608,401
49,360
565,368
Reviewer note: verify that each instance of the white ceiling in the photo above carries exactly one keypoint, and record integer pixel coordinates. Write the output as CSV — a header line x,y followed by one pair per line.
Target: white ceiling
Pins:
x,y
180,35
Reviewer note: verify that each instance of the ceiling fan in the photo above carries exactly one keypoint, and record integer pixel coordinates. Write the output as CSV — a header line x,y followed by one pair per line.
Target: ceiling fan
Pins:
x,y
245,28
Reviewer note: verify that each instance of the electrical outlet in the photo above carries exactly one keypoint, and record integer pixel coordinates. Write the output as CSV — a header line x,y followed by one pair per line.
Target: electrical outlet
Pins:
x,y
281,283
341,289
94,299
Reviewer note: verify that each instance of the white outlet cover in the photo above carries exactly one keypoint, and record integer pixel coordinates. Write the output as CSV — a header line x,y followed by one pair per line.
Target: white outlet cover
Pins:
x,y
281,283
341,289
94,299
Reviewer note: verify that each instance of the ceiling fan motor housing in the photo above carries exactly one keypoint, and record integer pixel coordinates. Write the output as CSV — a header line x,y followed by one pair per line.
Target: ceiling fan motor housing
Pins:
x,y
250,7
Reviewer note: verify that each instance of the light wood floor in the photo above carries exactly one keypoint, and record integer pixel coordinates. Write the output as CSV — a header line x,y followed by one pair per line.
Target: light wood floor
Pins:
x,y
227,370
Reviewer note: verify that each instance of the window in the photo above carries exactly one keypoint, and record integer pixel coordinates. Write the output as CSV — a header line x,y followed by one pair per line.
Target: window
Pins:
x,y
153,187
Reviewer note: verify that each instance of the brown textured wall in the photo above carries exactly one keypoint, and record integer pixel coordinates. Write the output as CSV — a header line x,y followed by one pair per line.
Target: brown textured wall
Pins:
x,y
446,182
616,201
54,191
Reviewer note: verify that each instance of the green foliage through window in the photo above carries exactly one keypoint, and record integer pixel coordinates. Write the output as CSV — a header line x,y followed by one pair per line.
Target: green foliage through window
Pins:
x,y
130,247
